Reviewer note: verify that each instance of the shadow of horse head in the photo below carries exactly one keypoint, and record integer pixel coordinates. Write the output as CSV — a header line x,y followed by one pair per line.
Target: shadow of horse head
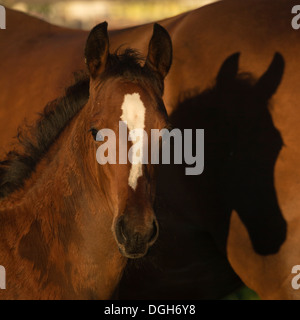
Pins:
x,y
241,148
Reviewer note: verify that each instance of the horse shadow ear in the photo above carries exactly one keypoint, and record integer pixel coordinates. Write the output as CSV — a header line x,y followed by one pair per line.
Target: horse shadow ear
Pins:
x,y
228,71
267,85
159,56
97,49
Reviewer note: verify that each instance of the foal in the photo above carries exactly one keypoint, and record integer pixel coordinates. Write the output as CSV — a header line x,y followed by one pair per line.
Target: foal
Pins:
x,y
68,224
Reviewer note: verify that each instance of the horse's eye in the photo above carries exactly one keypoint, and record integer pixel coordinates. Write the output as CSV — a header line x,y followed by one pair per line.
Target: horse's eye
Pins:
x,y
96,134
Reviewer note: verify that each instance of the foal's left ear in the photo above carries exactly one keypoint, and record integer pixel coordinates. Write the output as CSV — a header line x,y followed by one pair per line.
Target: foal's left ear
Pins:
x,y
97,49
159,56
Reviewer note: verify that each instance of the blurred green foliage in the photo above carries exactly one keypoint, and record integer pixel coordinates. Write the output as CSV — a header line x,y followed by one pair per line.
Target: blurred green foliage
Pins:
x,y
119,13
243,294
43,9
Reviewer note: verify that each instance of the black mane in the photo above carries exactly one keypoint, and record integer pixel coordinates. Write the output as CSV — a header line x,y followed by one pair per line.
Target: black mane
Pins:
x,y
34,141
130,65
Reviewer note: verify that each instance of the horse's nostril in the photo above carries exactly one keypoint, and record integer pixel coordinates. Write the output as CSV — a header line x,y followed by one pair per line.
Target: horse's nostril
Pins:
x,y
136,242
120,231
154,232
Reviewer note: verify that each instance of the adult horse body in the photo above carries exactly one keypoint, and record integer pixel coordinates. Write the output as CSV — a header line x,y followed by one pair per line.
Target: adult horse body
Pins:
x,y
202,40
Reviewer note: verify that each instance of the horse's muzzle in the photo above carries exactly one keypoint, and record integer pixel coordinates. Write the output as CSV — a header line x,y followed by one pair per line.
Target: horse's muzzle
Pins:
x,y
135,244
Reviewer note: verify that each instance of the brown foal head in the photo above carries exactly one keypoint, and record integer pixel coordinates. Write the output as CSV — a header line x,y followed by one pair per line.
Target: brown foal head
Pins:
x,y
126,92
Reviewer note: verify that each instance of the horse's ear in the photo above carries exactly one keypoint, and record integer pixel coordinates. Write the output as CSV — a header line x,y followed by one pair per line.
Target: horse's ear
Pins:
x,y
159,56
267,85
97,49
228,70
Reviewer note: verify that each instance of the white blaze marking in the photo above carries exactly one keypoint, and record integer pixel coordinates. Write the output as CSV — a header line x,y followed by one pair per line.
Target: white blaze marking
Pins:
x,y
134,114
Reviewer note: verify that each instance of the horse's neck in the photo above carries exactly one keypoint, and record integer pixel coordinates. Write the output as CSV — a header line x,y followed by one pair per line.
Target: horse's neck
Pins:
x,y
54,192
60,216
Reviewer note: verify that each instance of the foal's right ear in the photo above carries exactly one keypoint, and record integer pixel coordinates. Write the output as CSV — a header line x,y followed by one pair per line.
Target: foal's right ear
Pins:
x,y
159,56
97,49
